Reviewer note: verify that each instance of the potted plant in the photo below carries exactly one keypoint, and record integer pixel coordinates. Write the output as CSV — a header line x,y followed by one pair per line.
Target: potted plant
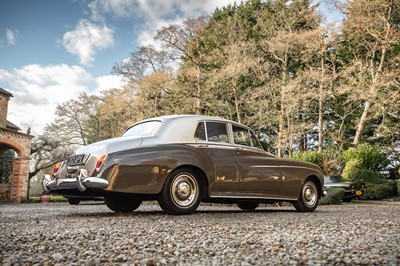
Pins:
x,y
45,197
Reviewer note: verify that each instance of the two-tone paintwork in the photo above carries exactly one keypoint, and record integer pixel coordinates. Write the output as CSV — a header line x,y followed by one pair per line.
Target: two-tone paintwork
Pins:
x,y
141,165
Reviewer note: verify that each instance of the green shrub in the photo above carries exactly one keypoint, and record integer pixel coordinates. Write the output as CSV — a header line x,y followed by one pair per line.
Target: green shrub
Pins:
x,y
398,187
380,191
354,172
314,157
369,157
334,196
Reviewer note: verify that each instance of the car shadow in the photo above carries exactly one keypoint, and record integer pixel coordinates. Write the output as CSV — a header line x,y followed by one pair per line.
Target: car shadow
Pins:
x,y
155,213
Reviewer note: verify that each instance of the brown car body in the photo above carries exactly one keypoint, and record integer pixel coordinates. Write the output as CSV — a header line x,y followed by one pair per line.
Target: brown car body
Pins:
x,y
231,167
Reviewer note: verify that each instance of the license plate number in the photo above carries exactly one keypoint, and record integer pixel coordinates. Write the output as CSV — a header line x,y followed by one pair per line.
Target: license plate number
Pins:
x,y
77,159
358,193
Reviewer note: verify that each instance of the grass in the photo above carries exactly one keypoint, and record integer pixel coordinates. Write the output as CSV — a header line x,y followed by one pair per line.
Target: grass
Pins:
x,y
53,199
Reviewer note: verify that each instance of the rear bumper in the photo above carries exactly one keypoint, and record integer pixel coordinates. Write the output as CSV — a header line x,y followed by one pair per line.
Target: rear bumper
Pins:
x,y
80,183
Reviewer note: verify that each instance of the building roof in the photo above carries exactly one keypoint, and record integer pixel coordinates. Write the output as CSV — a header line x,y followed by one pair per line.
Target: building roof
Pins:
x,y
12,126
4,92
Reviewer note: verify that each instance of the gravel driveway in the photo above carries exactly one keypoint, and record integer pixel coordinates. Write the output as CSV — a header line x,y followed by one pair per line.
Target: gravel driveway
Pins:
x,y
58,233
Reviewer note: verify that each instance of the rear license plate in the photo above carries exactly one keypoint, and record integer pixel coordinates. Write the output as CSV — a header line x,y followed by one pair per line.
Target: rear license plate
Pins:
x,y
77,159
358,193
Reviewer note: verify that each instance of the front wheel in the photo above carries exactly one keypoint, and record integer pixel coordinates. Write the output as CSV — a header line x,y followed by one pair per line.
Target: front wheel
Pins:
x,y
120,203
181,192
308,199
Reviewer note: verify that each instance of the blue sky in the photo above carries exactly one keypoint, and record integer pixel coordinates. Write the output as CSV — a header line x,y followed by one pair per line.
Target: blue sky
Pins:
x,y
52,50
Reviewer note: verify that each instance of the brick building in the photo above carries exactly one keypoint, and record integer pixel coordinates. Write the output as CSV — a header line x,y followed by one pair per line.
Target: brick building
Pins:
x,y
12,138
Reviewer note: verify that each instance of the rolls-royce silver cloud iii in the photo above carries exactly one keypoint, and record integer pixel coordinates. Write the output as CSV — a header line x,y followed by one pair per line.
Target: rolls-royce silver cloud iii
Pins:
x,y
183,160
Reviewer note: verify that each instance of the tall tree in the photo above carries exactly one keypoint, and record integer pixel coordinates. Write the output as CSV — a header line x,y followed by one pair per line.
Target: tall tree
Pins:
x,y
371,48
186,43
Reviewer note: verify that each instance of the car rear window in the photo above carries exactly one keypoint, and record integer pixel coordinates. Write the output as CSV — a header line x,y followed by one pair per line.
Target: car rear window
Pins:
x,y
143,129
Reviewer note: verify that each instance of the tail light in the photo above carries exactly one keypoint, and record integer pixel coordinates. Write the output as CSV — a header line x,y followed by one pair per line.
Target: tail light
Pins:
x,y
56,169
99,164
351,186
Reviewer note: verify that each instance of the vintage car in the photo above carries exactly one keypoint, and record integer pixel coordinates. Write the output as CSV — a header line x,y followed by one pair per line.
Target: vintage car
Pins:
x,y
351,190
183,160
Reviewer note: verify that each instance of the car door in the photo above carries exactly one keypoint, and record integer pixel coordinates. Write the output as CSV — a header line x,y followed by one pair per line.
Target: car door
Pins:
x,y
213,141
260,173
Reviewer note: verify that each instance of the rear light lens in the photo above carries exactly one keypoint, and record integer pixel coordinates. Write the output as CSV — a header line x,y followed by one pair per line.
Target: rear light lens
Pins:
x,y
351,186
56,169
99,163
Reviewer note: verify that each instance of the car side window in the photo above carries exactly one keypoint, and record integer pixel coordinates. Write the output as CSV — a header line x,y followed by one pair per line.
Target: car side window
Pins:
x,y
200,133
254,141
217,132
241,136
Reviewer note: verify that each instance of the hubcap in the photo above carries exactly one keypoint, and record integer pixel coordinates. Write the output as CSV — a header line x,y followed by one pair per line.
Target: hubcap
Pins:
x,y
310,194
184,190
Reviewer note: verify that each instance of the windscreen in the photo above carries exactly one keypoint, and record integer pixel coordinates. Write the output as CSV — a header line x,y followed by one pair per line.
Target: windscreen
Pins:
x,y
143,129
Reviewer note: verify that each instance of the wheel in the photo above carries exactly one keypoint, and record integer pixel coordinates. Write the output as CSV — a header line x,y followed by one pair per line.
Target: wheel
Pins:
x,y
308,199
74,201
247,206
347,199
120,203
181,193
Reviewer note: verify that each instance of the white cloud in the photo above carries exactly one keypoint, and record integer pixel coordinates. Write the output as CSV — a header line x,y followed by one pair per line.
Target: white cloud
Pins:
x,y
11,37
39,89
154,13
108,82
87,40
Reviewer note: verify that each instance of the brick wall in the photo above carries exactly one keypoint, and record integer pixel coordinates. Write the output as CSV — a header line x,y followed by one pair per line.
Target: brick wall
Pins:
x,y
3,110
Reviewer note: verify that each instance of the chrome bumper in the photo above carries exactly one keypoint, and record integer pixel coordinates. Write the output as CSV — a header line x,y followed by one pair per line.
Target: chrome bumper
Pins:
x,y
81,182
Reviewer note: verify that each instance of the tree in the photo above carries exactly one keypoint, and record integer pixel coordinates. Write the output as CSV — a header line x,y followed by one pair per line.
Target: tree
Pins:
x,y
371,51
6,165
71,123
187,45
46,151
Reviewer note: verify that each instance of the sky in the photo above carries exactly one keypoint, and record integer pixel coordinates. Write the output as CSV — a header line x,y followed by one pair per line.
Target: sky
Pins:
x,y
50,51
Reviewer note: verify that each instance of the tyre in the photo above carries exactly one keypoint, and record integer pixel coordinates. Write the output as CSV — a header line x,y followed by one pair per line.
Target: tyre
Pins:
x,y
74,201
118,203
248,206
347,199
181,192
308,199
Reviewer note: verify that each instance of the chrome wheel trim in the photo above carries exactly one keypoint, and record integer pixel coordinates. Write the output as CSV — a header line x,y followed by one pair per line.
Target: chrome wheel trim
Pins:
x,y
184,190
310,194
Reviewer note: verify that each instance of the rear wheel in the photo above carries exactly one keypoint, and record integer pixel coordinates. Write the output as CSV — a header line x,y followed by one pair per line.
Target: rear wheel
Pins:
x,y
308,199
181,192
347,199
74,201
248,206
120,203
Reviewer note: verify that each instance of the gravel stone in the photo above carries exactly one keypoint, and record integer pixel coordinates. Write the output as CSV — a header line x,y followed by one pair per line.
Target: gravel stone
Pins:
x,y
359,233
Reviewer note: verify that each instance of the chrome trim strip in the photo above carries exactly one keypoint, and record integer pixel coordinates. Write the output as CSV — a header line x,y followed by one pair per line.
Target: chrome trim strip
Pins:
x,y
252,197
282,166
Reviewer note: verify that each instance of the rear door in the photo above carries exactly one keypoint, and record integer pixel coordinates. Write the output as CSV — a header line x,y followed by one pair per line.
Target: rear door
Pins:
x,y
214,139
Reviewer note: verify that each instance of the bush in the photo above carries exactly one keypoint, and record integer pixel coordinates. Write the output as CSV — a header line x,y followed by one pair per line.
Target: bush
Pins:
x,y
354,172
368,156
380,191
334,196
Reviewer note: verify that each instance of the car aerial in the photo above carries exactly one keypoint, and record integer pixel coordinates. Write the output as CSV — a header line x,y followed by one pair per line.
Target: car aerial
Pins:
x,y
351,190
182,160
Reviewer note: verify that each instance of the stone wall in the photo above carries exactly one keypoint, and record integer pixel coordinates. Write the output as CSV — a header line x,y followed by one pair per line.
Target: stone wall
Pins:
x,y
20,143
